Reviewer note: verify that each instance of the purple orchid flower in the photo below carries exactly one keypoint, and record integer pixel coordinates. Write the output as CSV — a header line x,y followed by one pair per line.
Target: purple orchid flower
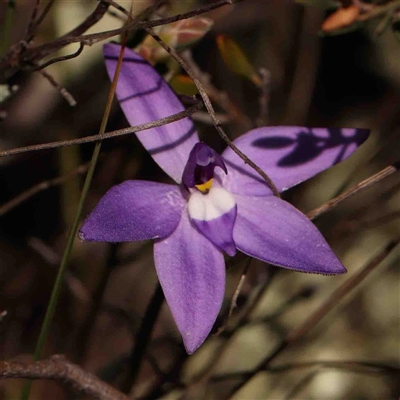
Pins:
x,y
219,204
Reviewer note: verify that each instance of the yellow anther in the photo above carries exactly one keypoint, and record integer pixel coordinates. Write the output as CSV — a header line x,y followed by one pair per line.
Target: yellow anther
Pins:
x,y
205,187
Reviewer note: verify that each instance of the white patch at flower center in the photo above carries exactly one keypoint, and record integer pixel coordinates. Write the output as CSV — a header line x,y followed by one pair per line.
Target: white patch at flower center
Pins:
x,y
215,203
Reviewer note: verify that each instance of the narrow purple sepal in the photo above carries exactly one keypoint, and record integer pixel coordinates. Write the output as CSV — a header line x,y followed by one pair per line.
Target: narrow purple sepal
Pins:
x,y
134,210
288,154
273,231
191,271
144,97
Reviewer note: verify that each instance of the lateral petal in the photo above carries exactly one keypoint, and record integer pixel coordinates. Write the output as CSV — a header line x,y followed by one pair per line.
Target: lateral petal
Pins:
x,y
274,231
191,271
288,155
134,210
214,215
144,97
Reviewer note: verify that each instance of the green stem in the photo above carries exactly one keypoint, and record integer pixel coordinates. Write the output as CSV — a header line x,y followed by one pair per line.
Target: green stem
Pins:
x,y
72,234
8,22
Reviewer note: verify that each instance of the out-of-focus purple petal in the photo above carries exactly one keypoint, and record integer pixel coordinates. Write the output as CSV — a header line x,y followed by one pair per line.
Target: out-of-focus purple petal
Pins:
x,y
134,210
144,97
214,215
191,271
288,155
272,230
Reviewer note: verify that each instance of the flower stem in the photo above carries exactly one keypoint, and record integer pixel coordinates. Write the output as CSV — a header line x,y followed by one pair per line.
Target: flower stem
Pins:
x,y
72,234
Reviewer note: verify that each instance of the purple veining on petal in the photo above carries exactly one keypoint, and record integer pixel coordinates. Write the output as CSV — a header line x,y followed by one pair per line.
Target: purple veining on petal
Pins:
x,y
144,97
191,271
214,215
272,230
201,164
288,154
134,210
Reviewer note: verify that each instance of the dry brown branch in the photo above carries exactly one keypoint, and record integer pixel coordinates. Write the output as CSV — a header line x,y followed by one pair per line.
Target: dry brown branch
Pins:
x,y
220,97
352,191
60,369
313,319
211,111
61,89
353,366
107,135
21,57
27,194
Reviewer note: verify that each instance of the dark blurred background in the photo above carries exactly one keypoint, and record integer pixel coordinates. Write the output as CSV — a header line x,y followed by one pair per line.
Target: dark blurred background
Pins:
x,y
346,80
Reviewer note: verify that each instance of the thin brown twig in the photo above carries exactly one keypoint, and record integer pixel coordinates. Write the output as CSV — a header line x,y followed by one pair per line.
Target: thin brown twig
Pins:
x,y
264,97
45,11
352,191
61,89
211,111
63,58
235,296
379,11
92,19
60,369
107,135
27,194
33,55
31,26
339,293
354,366
239,287
220,97
117,6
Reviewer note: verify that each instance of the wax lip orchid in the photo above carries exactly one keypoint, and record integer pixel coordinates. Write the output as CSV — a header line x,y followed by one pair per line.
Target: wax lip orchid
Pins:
x,y
219,204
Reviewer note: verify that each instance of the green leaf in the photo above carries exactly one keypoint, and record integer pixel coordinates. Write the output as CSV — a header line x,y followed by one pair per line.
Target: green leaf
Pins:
x,y
183,84
236,60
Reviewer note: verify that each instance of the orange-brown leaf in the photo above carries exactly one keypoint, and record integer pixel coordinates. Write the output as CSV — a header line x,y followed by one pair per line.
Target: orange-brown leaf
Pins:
x,y
341,18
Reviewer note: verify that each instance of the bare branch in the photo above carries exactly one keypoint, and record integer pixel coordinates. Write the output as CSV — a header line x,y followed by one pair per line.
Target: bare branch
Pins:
x,y
365,367
22,58
314,318
352,191
6,207
63,58
107,135
211,111
60,369
61,89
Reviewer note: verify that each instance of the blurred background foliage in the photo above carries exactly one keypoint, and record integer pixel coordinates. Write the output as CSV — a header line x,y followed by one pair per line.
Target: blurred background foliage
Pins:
x,y
304,62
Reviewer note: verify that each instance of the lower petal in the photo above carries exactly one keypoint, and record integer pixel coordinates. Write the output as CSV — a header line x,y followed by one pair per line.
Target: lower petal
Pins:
x,y
191,271
274,231
134,210
214,215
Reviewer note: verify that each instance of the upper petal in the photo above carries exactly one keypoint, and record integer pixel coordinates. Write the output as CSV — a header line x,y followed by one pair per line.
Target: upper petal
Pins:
x,y
144,97
191,271
134,210
288,155
272,230
214,215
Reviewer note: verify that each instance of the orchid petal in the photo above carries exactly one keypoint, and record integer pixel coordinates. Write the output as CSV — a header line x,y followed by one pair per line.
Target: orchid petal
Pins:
x,y
134,210
191,271
273,231
144,97
288,155
214,215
